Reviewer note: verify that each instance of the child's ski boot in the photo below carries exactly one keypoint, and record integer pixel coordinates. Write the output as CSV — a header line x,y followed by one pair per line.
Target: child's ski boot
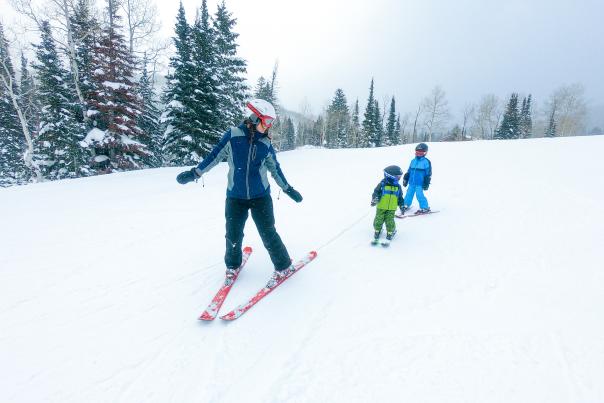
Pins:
x,y
423,211
386,242
376,237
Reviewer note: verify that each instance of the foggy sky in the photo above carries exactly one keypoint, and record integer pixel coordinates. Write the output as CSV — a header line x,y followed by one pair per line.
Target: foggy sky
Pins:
x,y
468,47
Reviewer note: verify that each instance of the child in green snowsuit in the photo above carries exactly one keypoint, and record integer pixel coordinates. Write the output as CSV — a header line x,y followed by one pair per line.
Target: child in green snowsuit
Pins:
x,y
388,196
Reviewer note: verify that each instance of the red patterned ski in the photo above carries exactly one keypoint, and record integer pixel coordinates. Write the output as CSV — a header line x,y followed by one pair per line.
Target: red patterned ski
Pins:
x,y
212,309
241,309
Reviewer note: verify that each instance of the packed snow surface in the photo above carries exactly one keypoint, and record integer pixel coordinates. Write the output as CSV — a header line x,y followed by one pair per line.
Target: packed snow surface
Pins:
x,y
497,298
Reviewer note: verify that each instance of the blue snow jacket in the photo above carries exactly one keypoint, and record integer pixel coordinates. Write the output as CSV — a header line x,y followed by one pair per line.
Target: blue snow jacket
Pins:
x,y
249,158
420,172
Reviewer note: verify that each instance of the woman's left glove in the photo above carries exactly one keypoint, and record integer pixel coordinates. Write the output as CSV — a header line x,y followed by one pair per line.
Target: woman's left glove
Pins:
x,y
294,194
187,176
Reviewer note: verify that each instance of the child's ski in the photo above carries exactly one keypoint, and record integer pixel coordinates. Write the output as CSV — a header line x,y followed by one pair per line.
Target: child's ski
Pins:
x,y
212,309
416,215
243,308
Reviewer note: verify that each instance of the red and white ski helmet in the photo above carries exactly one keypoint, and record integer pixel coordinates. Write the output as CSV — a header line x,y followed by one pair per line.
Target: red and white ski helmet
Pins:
x,y
262,110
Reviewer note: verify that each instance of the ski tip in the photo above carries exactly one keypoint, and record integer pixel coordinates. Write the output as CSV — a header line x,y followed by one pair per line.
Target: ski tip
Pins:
x,y
229,316
313,254
247,249
206,317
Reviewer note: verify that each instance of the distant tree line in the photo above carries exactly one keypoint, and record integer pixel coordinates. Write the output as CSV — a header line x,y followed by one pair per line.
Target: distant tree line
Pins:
x,y
89,102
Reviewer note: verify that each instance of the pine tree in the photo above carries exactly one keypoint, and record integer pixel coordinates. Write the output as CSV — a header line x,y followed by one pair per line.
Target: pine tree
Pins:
x,y
510,125
369,136
355,126
57,143
117,141
526,121
392,134
12,146
378,129
149,119
28,97
231,69
178,116
338,118
86,32
289,135
551,130
207,126
317,133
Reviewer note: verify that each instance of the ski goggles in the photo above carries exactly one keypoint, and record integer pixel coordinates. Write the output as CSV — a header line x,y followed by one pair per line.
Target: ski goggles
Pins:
x,y
267,121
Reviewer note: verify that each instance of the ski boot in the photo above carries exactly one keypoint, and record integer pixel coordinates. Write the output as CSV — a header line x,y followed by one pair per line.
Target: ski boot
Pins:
x,y
404,209
389,236
376,237
279,275
423,211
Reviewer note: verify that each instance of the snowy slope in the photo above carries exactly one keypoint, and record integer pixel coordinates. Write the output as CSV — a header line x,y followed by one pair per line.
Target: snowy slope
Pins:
x,y
498,298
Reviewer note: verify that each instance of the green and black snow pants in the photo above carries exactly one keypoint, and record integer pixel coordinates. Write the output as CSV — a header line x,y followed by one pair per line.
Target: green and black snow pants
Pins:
x,y
384,216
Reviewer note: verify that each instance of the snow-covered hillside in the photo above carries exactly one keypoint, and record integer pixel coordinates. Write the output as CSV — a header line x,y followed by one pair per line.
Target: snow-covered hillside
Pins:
x,y
498,298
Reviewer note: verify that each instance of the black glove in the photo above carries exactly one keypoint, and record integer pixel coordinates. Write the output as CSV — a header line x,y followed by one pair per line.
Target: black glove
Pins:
x,y
427,180
374,202
406,179
294,194
187,176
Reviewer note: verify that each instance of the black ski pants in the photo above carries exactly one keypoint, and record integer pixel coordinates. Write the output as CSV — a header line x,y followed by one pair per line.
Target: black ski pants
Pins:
x,y
236,213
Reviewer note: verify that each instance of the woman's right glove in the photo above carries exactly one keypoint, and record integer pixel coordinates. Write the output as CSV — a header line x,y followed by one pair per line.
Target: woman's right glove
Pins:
x,y
187,176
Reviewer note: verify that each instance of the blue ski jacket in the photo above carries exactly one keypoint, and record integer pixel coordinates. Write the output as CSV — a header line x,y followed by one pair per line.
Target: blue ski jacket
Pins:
x,y
249,158
420,171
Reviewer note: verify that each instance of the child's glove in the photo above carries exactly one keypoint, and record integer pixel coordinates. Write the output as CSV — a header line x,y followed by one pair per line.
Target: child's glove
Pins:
x,y
406,179
427,180
374,202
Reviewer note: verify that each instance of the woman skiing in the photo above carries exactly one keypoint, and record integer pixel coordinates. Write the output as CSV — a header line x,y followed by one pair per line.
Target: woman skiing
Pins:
x,y
250,154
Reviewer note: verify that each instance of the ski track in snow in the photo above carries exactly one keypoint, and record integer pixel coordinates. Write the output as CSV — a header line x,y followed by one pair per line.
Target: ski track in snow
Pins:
x,y
497,298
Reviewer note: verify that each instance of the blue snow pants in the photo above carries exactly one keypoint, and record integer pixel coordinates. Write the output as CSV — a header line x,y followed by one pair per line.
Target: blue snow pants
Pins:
x,y
421,198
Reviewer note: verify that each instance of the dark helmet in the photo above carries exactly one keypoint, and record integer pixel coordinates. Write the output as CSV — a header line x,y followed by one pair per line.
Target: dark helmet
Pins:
x,y
393,172
422,147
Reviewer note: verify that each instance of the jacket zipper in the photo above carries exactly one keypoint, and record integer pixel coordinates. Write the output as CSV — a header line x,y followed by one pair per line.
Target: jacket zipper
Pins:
x,y
247,172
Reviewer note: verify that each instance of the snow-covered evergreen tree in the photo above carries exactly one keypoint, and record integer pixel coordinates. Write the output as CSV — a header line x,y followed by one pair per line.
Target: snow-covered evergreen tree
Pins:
x,y
86,32
525,119
510,125
149,119
117,141
369,136
178,116
355,126
392,134
378,129
12,145
28,98
57,143
338,121
551,130
232,89
289,135
208,124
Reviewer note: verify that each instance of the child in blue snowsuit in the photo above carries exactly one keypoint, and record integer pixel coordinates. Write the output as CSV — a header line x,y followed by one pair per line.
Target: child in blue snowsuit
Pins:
x,y
418,178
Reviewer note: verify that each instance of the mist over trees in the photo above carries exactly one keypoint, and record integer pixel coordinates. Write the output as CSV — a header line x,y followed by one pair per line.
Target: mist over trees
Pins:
x,y
85,98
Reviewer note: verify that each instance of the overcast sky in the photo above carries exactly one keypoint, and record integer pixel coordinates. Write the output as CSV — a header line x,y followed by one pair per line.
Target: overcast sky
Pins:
x,y
469,47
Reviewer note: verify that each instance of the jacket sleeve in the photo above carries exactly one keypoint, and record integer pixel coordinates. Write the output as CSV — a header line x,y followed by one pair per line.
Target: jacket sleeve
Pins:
x,y
275,169
216,155
428,177
401,198
377,192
